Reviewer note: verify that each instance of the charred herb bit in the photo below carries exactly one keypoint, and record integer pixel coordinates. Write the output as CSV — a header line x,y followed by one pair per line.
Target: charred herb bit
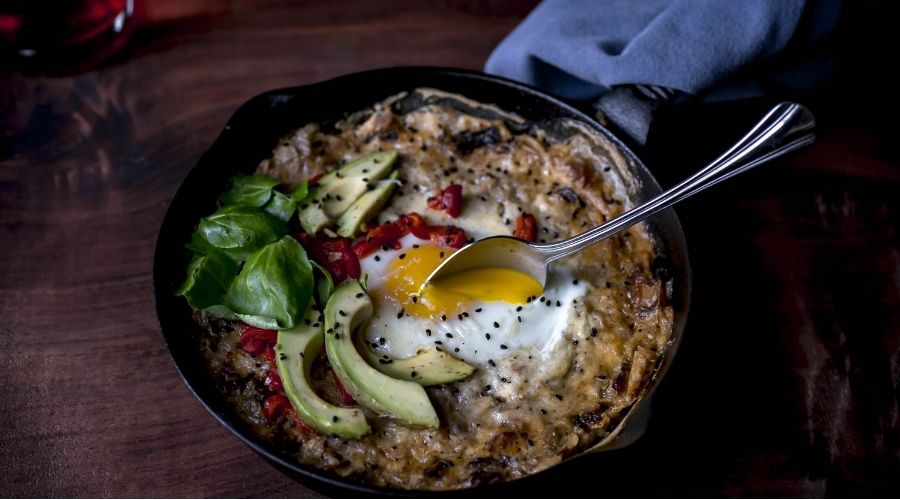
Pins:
x,y
467,141
437,470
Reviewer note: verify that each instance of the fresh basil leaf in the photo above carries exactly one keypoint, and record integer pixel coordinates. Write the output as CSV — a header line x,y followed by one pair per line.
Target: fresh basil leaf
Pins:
x,y
300,192
208,278
281,206
249,190
238,228
275,286
324,283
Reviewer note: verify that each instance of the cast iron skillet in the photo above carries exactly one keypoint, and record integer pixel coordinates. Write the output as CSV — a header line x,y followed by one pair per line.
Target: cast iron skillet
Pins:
x,y
251,134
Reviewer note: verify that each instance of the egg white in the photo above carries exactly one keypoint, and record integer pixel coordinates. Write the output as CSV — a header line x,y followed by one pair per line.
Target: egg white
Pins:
x,y
485,333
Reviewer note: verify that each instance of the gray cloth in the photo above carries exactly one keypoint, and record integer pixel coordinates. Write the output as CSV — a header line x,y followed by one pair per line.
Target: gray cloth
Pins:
x,y
580,48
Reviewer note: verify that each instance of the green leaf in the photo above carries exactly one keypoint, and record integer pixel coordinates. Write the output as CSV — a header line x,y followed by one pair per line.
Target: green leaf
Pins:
x,y
208,279
249,190
324,283
220,311
281,206
300,192
237,228
275,286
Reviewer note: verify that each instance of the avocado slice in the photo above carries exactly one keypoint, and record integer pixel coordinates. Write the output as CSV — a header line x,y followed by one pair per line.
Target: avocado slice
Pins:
x,y
348,309
338,190
367,206
428,366
295,351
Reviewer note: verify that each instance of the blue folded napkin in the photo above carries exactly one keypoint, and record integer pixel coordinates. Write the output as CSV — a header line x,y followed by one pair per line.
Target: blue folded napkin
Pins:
x,y
580,48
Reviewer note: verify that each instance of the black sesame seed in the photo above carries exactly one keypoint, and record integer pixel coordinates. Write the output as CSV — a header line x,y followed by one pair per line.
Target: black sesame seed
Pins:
x,y
543,411
518,308
548,304
377,258
428,332
542,299
359,295
459,317
487,336
438,342
504,379
401,313
415,299
575,342
519,318
456,349
341,312
449,335
334,418
441,255
574,282
443,317
496,325
491,362
503,346
558,396
593,332
381,341
478,310
558,304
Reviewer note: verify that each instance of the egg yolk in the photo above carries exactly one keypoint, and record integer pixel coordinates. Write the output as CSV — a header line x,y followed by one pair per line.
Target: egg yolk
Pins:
x,y
451,295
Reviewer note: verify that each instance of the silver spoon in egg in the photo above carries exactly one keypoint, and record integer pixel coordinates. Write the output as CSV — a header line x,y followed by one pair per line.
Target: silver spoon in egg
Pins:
x,y
785,128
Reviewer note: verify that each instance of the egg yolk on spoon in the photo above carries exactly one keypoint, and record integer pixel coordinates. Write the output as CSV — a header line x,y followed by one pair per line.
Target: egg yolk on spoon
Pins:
x,y
453,294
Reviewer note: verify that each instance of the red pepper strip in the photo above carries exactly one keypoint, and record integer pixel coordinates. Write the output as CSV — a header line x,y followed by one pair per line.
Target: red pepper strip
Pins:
x,y
312,181
388,234
449,200
273,380
299,424
278,405
334,254
256,340
274,406
526,227
346,398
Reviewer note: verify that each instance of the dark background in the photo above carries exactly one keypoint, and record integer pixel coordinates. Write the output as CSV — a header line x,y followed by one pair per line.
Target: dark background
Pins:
x,y
787,380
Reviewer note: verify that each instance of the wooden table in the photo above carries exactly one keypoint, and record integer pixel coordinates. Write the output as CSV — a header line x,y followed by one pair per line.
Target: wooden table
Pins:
x,y
787,380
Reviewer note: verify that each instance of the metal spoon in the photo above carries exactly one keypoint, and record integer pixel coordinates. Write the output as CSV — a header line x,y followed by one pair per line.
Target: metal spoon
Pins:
x,y
787,127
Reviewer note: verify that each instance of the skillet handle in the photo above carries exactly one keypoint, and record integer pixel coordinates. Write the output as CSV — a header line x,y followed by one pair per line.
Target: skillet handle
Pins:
x,y
631,109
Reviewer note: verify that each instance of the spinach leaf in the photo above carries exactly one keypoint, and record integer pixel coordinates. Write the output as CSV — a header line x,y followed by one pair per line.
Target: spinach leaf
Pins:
x,y
324,283
275,286
249,190
281,206
208,279
237,228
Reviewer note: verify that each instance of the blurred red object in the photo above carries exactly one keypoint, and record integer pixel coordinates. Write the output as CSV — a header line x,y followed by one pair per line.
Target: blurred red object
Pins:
x,y
63,36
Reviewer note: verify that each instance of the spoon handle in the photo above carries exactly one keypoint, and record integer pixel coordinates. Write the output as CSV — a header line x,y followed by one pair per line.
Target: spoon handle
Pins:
x,y
785,128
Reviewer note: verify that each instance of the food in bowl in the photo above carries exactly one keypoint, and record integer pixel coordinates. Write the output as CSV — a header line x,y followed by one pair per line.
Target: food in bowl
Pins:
x,y
307,285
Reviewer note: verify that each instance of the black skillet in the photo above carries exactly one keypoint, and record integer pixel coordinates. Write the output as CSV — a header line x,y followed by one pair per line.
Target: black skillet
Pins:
x,y
250,136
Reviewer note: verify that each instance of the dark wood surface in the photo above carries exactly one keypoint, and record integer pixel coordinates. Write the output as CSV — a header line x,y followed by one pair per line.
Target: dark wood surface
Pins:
x,y
786,383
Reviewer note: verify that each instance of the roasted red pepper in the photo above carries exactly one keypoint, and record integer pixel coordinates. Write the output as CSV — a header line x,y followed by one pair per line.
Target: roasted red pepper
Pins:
x,y
334,254
346,398
277,405
526,227
387,235
255,340
273,380
312,181
274,406
299,424
449,200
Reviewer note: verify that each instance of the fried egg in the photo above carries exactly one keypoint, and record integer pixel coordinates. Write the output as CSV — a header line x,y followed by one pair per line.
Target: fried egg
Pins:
x,y
480,321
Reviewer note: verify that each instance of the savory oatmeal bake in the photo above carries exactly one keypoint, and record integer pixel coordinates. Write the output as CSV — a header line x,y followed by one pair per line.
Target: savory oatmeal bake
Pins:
x,y
306,282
